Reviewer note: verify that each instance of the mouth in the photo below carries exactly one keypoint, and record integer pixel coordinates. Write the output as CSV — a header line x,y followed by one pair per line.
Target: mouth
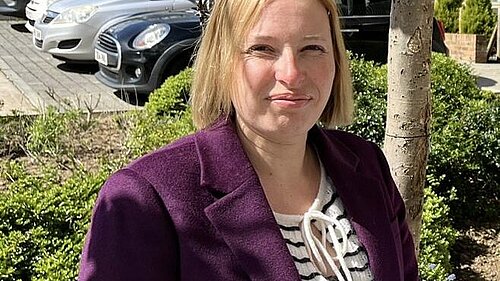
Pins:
x,y
289,97
289,101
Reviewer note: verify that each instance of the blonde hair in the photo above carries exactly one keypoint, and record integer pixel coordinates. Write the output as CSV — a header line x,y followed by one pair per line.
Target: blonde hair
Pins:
x,y
218,54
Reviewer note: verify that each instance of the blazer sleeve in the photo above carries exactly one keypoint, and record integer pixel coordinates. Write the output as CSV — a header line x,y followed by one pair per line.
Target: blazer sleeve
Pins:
x,y
131,236
409,260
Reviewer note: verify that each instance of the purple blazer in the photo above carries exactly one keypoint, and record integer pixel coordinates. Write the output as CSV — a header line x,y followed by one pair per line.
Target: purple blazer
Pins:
x,y
195,210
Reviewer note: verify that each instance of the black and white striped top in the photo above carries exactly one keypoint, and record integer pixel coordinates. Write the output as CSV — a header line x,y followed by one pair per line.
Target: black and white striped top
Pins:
x,y
292,228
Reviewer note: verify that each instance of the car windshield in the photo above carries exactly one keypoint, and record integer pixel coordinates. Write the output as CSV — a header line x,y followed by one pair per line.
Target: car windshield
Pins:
x,y
364,7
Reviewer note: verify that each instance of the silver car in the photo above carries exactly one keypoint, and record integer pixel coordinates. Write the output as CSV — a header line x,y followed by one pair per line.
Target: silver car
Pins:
x,y
68,28
35,10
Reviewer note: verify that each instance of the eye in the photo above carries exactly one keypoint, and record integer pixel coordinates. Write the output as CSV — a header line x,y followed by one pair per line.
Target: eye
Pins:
x,y
314,48
260,49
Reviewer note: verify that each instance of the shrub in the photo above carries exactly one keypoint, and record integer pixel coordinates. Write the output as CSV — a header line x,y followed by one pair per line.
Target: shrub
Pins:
x,y
148,131
370,92
465,134
51,133
43,222
166,116
437,236
45,210
14,134
171,98
452,87
477,17
465,148
46,132
447,11
44,216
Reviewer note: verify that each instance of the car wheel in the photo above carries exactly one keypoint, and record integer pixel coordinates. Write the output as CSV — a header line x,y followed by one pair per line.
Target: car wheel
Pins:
x,y
176,65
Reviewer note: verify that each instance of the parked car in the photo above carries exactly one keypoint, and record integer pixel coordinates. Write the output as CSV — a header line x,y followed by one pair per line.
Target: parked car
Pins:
x,y
365,25
13,7
137,54
68,28
35,10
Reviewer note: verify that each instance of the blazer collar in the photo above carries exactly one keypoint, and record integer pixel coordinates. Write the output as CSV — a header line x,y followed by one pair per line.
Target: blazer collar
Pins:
x,y
243,217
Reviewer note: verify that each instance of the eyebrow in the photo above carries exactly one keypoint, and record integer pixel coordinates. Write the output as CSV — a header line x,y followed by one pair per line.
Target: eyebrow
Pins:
x,y
307,37
314,37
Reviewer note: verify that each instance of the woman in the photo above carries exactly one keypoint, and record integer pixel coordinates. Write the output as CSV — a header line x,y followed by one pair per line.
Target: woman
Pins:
x,y
260,192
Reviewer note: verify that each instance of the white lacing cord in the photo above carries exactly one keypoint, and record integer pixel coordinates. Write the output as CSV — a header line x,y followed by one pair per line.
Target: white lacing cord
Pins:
x,y
314,245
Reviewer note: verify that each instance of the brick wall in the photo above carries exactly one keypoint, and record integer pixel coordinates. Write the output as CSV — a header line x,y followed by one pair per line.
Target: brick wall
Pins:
x,y
467,47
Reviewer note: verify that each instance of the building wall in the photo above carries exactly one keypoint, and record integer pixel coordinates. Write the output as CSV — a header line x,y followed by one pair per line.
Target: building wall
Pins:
x,y
467,47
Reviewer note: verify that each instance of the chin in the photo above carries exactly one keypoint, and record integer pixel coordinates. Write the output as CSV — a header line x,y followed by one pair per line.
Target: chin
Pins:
x,y
295,124
287,130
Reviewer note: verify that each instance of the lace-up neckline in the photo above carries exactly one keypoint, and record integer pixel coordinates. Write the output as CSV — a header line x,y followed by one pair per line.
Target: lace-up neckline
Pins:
x,y
311,237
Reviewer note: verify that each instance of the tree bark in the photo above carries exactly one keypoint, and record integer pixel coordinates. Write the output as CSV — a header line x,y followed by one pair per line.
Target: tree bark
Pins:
x,y
406,142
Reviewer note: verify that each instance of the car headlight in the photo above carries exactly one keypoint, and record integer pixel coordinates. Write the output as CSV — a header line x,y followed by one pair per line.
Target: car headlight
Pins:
x,y
79,14
151,36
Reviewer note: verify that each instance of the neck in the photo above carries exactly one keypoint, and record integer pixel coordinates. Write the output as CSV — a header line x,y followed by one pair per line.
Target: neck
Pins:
x,y
289,171
273,155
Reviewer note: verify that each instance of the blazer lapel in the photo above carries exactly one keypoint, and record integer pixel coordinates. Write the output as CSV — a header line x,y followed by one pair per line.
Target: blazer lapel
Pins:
x,y
242,214
363,199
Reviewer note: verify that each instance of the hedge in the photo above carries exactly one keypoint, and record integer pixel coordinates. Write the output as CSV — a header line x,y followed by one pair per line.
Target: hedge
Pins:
x,y
166,116
465,135
447,11
43,222
477,17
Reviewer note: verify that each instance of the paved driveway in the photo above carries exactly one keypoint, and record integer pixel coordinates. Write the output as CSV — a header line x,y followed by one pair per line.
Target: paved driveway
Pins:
x,y
38,80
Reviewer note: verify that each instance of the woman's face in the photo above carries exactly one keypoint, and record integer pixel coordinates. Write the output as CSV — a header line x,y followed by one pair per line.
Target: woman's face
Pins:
x,y
286,72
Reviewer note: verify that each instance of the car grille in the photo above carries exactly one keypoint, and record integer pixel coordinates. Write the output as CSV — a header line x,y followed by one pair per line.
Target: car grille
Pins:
x,y
47,19
50,16
107,42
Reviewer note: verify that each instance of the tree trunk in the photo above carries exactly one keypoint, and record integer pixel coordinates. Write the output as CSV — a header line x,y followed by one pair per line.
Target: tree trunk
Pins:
x,y
408,103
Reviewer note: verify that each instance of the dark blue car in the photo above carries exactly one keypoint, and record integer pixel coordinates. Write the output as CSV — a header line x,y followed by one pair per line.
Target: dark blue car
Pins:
x,y
138,54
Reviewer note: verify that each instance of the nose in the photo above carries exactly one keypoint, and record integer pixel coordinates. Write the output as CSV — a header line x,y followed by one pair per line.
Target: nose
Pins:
x,y
288,70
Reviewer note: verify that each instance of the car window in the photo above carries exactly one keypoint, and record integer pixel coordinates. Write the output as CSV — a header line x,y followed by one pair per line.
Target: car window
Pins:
x,y
378,7
364,7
